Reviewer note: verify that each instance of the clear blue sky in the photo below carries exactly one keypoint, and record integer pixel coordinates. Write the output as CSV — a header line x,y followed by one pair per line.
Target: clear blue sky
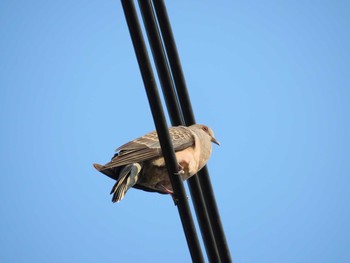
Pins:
x,y
270,77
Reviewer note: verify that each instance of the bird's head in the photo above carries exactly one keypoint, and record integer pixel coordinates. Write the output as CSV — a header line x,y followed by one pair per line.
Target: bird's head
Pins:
x,y
208,131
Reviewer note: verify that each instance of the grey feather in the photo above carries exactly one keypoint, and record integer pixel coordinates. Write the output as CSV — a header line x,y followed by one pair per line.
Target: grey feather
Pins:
x,y
140,164
127,179
148,147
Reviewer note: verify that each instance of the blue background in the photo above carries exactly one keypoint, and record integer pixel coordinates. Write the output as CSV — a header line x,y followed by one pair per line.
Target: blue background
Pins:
x,y
270,77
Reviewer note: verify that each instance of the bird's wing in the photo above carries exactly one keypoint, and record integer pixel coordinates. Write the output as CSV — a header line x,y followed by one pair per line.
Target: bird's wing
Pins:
x,y
148,147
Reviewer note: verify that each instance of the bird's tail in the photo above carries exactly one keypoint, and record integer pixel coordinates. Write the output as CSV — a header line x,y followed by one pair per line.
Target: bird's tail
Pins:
x,y
127,178
110,172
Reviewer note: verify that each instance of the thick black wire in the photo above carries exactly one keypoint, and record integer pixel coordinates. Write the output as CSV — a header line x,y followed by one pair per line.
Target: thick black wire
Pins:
x,y
177,119
160,62
162,130
187,111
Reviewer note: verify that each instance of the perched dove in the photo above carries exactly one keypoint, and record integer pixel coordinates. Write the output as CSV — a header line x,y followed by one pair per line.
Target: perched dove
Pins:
x,y
140,163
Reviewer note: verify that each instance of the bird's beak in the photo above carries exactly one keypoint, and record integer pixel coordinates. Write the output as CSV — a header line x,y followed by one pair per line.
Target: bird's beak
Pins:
x,y
215,141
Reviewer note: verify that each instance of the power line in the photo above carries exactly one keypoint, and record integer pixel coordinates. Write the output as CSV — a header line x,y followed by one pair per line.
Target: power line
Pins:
x,y
184,99
162,130
180,110
176,119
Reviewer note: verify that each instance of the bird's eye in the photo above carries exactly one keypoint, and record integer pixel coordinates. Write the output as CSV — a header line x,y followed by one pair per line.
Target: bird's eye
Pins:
x,y
205,128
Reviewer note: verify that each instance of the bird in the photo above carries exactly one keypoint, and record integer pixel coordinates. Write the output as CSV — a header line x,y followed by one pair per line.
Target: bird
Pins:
x,y
141,165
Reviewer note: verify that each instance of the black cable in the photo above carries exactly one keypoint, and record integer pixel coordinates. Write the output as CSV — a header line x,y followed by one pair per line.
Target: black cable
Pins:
x,y
186,107
162,130
177,119
160,62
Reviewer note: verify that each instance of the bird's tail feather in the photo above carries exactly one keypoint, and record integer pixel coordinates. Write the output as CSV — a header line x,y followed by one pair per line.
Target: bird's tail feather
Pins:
x,y
127,178
110,172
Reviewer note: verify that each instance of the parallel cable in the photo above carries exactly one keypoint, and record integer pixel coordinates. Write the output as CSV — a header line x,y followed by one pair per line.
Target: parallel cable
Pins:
x,y
187,111
176,118
162,130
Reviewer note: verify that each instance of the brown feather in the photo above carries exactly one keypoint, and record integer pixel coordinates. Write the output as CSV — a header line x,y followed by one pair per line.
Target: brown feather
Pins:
x,y
148,147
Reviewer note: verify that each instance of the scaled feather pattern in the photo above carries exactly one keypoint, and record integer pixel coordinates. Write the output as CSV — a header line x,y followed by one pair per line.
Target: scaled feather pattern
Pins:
x,y
140,163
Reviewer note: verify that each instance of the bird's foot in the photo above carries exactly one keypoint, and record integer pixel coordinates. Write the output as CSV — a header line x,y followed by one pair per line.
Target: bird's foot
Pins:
x,y
181,170
164,189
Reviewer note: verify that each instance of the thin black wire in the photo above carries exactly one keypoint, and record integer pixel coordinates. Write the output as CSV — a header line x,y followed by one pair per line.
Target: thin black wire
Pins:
x,y
177,119
162,130
187,111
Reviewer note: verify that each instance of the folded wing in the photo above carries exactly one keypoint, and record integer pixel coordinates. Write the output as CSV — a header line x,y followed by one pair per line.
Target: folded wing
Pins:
x,y
148,147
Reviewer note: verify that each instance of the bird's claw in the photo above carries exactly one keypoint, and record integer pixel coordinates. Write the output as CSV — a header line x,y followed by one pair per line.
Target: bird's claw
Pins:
x,y
181,170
